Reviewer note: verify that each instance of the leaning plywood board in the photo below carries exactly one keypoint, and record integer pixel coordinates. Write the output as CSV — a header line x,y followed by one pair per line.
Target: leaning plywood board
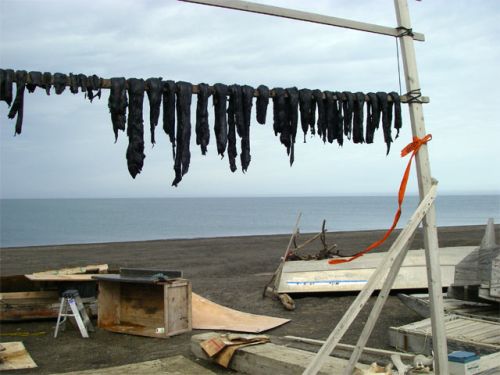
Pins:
x,y
319,276
462,333
209,315
15,357
269,358
177,365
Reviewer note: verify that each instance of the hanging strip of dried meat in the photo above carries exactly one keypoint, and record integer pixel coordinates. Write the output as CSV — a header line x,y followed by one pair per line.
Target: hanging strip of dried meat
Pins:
x,y
338,125
220,123
154,88
83,82
117,104
321,123
169,89
398,121
34,81
279,110
262,103
330,116
93,83
386,118
357,123
18,104
60,82
135,127
234,119
306,107
247,102
202,127
6,84
292,119
47,82
73,83
183,106
348,109
372,116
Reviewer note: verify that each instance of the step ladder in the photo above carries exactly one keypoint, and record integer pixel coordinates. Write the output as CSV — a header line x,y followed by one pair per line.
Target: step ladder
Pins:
x,y
72,306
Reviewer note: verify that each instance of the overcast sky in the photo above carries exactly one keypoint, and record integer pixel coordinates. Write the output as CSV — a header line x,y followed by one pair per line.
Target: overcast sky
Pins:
x,y
67,146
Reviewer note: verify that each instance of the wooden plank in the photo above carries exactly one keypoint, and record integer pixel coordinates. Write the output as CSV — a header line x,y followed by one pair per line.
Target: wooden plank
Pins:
x,y
76,277
424,178
142,304
177,365
304,16
95,268
51,294
15,357
108,305
177,308
269,358
390,257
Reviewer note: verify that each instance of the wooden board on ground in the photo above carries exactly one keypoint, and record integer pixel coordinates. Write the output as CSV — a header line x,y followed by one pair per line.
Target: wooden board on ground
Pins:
x,y
177,365
269,358
15,357
319,276
83,273
209,315
463,333
478,310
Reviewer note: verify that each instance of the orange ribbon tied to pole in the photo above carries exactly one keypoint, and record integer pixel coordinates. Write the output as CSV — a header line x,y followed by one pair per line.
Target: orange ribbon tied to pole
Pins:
x,y
412,148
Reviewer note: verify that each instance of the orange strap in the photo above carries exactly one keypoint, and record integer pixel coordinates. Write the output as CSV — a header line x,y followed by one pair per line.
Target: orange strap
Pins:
x,y
413,148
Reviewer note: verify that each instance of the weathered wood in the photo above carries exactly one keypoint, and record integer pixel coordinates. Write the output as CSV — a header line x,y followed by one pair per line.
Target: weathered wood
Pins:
x,y
29,295
159,309
462,333
347,347
76,277
319,276
424,178
390,257
95,268
177,365
15,357
270,358
304,16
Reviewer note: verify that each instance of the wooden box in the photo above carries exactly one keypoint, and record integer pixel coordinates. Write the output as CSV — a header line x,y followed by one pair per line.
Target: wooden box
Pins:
x,y
158,309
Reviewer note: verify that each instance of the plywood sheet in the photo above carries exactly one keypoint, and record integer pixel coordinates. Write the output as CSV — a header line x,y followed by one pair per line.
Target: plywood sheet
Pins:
x,y
210,315
15,357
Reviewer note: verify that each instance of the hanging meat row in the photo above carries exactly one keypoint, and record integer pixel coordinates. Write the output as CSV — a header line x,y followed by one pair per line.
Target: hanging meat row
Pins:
x,y
333,116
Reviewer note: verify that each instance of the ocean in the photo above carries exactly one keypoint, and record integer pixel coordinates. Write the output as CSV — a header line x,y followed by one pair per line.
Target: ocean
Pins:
x,y
31,222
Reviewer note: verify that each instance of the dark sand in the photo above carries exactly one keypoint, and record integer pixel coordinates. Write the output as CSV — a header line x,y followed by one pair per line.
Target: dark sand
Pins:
x,y
230,271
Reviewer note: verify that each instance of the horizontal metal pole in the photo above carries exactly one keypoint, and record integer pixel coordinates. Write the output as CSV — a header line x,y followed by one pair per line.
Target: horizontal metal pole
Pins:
x,y
304,16
106,84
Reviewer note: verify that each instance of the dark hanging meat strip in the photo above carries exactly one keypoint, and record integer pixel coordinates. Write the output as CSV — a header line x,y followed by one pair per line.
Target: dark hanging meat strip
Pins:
x,y
306,107
220,126
169,89
6,82
60,82
338,120
386,118
331,114
73,83
35,80
135,128
357,123
83,82
285,128
293,119
154,89
18,104
372,116
348,109
47,82
262,103
183,155
93,83
235,123
279,110
117,104
247,101
202,127
398,121
318,99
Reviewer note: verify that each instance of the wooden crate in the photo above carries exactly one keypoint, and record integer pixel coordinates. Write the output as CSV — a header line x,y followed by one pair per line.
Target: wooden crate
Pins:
x,y
159,309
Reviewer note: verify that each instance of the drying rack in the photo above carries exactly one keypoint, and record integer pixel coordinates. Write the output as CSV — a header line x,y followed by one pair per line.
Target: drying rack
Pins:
x,y
425,212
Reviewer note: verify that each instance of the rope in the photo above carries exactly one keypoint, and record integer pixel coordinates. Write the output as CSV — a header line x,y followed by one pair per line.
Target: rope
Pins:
x,y
412,148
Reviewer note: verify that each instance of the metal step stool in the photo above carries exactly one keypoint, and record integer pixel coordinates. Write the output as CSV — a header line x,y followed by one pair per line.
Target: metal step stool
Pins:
x,y
72,306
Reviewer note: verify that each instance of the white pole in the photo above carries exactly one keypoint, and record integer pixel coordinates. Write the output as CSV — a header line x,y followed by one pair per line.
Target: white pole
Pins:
x,y
424,184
